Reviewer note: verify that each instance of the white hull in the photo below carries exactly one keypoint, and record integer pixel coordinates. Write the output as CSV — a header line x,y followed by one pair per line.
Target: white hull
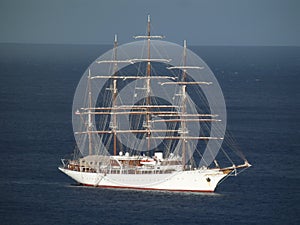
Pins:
x,y
201,180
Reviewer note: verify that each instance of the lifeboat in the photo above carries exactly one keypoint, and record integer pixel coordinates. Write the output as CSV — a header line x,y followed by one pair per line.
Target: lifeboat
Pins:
x,y
148,162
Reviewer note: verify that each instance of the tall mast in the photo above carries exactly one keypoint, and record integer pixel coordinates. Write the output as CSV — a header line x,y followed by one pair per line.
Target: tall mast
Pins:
x,y
114,96
90,125
148,101
183,111
147,124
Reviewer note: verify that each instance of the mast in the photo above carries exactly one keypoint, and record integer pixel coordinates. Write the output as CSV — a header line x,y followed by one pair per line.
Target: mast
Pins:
x,y
114,96
90,125
183,111
183,116
148,84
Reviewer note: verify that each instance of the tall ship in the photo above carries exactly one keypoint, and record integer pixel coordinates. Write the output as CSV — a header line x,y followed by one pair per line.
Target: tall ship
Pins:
x,y
150,115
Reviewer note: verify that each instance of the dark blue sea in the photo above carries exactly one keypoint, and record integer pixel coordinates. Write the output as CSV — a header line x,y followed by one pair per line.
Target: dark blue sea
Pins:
x,y
261,86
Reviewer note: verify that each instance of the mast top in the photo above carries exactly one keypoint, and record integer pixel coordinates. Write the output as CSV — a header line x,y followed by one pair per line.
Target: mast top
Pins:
x,y
148,36
89,76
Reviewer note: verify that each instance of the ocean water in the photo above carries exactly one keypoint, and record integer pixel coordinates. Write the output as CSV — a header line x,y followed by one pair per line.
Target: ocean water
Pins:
x,y
261,89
